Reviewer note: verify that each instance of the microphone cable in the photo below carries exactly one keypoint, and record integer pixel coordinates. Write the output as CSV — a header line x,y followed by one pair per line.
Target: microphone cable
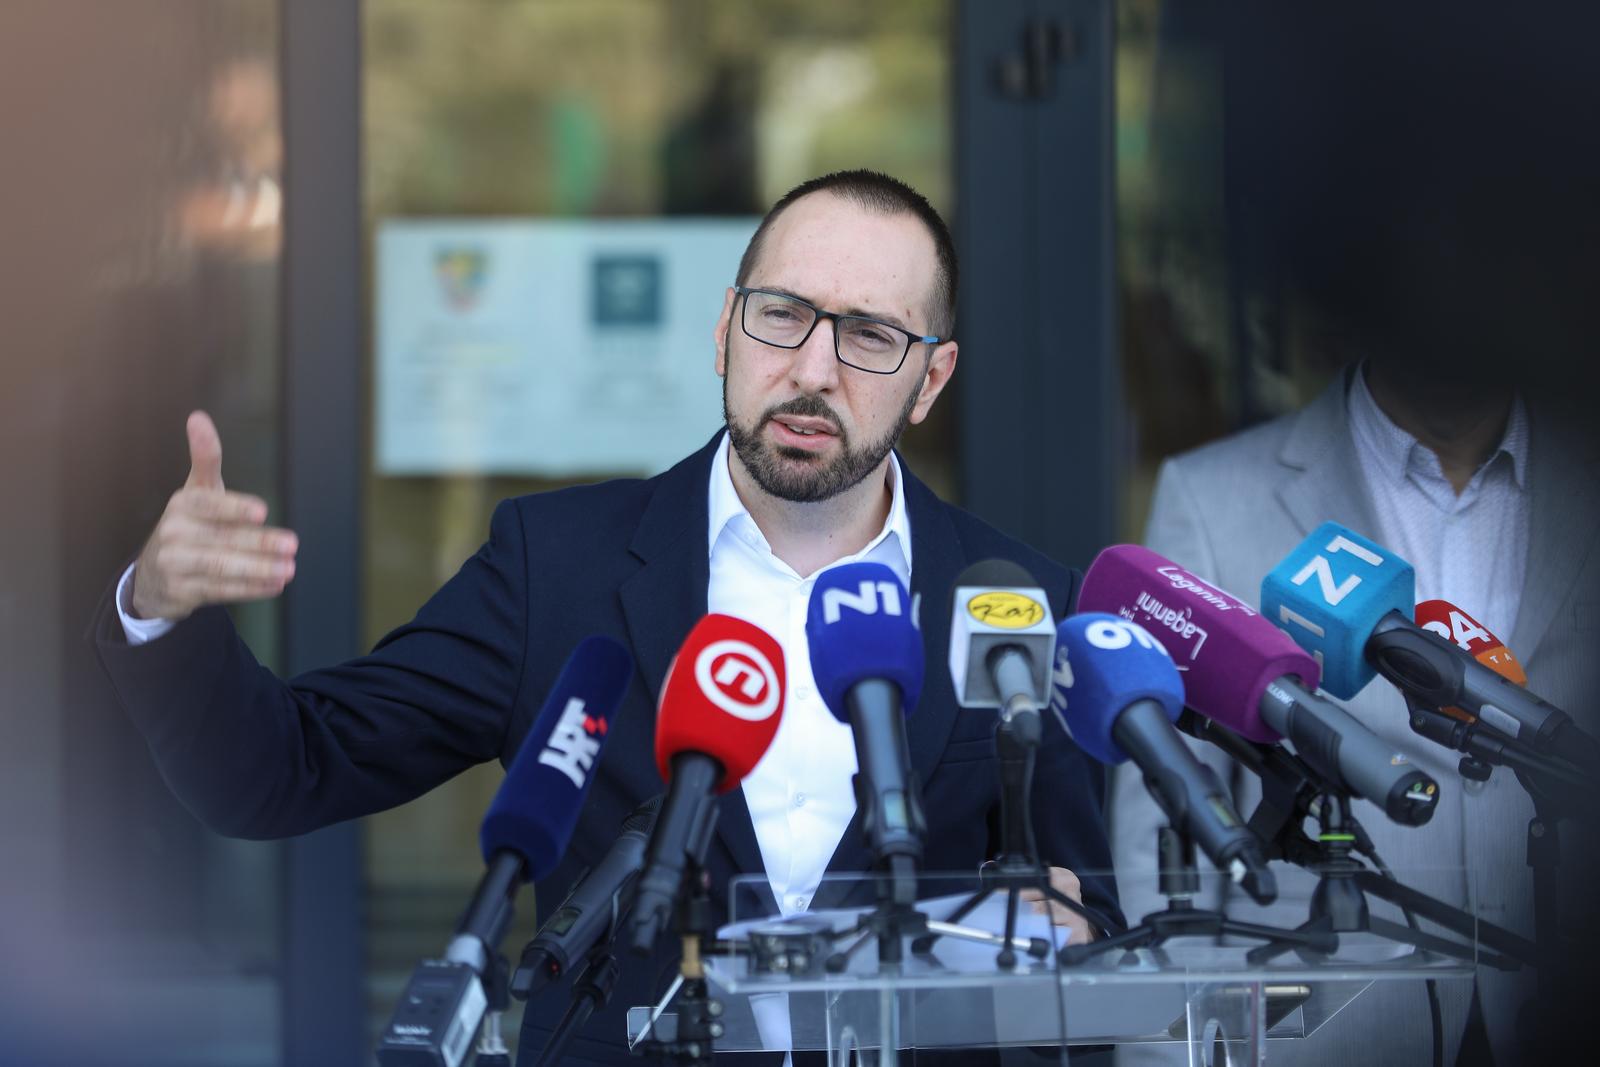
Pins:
x,y
1435,1014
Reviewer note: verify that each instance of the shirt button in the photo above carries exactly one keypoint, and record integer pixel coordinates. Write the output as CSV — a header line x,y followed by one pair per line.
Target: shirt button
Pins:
x,y
799,903
799,800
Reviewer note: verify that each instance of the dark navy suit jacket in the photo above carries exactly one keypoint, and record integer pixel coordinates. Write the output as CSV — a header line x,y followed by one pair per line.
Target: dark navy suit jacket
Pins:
x,y
255,756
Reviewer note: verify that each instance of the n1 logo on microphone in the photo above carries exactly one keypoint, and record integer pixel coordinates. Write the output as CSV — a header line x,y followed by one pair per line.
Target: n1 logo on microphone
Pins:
x,y
574,743
871,598
1329,593
737,678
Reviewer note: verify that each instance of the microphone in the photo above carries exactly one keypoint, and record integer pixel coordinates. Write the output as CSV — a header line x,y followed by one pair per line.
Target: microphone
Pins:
x,y
1248,675
524,833
1451,623
721,702
1001,643
1117,693
1356,616
593,908
867,661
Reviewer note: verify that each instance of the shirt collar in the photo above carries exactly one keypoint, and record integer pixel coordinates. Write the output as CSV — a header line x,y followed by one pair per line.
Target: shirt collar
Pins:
x,y
726,508
1394,451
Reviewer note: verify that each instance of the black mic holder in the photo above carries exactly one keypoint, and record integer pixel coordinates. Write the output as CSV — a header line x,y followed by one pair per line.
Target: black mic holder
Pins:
x,y
1016,742
1560,784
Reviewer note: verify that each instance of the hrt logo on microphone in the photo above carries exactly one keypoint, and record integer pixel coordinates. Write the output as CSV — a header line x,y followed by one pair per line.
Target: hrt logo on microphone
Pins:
x,y
574,743
870,599
737,678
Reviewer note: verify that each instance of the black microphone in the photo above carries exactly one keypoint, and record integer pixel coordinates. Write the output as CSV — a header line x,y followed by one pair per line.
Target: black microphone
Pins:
x,y
525,831
1118,693
720,707
592,910
867,661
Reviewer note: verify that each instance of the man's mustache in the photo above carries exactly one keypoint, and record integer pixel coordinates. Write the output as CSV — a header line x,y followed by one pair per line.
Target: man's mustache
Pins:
x,y
813,407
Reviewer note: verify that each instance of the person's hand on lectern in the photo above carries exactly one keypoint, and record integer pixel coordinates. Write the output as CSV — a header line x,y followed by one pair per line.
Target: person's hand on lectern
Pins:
x,y
210,546
1066,883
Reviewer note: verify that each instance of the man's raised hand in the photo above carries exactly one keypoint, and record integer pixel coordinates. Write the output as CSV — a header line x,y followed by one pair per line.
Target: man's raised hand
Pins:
x,y
210,546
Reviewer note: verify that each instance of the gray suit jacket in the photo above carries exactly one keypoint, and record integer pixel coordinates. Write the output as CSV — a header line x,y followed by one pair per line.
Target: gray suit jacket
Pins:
x,y
1230,511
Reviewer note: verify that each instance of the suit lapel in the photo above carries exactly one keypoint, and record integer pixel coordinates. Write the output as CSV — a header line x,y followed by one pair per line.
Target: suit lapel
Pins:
x,y
1327,483
663,601
1562,506
935,561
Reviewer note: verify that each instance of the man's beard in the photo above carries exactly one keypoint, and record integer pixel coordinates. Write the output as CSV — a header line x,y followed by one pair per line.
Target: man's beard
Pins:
x,y
805,479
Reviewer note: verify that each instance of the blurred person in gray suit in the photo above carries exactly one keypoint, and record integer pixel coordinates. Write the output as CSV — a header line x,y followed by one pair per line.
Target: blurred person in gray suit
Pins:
x,y
1498,510
1410,224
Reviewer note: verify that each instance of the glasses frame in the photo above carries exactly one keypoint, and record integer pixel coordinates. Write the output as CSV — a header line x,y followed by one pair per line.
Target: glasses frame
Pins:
x,y
911,338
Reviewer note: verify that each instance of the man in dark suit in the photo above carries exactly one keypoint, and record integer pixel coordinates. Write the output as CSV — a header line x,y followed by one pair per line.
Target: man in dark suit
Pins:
x,y
833,340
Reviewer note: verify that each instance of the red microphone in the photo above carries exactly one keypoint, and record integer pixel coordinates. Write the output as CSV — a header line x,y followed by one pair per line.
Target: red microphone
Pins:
x,y
721,702
1453,624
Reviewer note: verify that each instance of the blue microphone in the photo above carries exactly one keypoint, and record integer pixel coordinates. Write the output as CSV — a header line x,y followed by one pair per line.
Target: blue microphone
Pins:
x,y
524,833
867,660
1349,602
1117,692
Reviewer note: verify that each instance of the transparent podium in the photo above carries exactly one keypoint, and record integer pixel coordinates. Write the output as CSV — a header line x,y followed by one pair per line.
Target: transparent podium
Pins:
x,y
811,981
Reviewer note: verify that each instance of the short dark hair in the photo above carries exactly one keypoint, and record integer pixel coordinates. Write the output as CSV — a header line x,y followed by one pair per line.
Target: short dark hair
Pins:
x,y
887,196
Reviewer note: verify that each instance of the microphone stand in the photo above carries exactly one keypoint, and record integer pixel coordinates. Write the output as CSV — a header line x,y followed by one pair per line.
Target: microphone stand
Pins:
x,y
1180,881
1339,905
1553,785
1016,742
1290,793
698,1013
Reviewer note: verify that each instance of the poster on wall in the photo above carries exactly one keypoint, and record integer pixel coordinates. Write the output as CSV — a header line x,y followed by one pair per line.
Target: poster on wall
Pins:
x,y
548,348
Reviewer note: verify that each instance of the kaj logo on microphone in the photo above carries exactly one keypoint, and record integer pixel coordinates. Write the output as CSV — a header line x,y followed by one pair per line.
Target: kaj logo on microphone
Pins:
x,y
737,678
1008,611
574,743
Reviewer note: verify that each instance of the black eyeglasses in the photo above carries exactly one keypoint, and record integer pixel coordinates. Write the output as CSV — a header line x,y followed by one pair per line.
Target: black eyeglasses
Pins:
x,y
784,321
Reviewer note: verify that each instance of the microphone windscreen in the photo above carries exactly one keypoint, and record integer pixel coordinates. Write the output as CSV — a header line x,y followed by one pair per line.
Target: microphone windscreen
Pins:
x,y
722,697
859,626
1330,592
536,808
1472,637
1227,651
1453,624
1105,663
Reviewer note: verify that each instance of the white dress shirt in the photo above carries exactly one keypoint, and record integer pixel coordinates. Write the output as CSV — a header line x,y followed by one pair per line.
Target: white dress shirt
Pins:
x,y
799,795
137,631
1472,549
